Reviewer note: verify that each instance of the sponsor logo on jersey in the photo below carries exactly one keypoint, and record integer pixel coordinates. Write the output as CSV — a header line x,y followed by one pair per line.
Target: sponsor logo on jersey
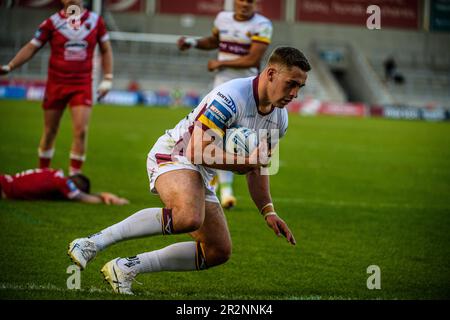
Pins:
x,y
218,113
75,50
234,48
228,101
76,45
221,110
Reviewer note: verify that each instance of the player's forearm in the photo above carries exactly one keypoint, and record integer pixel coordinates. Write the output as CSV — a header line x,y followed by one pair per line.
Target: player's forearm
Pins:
x,y
216,158
240,168
89,198
208,43
243,62
259,188
107,62
24,55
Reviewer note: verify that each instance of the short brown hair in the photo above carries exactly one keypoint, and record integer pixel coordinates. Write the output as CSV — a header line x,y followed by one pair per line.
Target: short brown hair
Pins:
x,y
289,57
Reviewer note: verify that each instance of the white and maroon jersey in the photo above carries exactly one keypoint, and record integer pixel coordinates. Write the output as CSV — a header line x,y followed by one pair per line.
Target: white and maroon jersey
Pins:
x,y
235,39
72,50
232,104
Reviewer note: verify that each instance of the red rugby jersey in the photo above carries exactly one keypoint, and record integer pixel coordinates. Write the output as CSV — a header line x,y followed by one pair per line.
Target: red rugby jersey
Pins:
x,y
72,50
38,184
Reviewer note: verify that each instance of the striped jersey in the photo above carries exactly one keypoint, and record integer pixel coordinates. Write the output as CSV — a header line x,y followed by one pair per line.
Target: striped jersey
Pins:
x,y
232,104
236,37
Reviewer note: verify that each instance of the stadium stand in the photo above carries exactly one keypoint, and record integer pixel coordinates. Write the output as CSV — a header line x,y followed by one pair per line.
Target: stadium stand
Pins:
x,y
347,59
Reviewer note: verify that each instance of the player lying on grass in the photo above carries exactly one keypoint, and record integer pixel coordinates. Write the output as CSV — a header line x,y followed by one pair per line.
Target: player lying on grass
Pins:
x,y
50,184
180,169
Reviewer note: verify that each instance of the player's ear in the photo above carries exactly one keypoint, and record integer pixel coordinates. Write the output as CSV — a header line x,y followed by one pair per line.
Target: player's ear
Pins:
x,y
271,73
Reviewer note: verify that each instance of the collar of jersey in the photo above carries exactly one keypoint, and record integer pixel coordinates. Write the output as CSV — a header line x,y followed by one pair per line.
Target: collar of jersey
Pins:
x,y
253,15
256,97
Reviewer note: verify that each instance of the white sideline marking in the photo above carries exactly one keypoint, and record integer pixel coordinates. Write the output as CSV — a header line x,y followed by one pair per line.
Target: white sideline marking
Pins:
x,y
52,287
362,204
46,287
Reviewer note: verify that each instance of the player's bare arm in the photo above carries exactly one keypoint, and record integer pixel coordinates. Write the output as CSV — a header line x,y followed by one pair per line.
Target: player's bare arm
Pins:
x,y
259,188
23,56
202,150
206,43
252,59
107,67
103,197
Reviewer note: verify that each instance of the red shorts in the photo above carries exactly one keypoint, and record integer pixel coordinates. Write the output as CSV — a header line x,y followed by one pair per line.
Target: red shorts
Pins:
x,y
57,95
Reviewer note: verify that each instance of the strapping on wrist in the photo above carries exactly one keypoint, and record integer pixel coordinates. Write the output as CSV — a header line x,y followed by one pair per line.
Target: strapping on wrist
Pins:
x,y
270,213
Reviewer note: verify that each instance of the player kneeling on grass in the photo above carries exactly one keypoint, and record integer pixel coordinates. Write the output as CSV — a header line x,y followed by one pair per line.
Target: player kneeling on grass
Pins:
x,y
180,167
50,184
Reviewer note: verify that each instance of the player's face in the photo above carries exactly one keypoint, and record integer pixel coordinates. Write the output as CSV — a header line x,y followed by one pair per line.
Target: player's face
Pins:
x,y
244,9
285,84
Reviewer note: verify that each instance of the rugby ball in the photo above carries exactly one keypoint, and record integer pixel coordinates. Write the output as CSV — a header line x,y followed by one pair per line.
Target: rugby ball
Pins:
x,y
241,141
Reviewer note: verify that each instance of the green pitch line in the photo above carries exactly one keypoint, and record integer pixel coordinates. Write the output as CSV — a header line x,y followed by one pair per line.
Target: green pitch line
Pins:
x,y
355,193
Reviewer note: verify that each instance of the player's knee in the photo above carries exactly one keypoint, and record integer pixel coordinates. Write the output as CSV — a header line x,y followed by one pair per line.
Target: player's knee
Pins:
x,y
50,132
80,132
187,219
217,255
193,222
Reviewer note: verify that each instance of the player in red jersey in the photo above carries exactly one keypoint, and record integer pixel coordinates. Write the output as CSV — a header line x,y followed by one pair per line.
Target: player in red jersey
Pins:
x,y
50,184
69,75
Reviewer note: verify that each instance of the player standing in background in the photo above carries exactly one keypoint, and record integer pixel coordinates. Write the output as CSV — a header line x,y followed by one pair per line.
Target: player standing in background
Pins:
x,y
50,184
242,38
181,165
69,76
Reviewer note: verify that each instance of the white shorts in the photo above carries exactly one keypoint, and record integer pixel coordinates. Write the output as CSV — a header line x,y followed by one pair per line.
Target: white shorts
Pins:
x,y
160,160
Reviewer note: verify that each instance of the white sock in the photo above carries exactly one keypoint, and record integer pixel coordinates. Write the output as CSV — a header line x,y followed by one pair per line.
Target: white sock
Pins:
x,y
225,182
146,222
48,154
179,256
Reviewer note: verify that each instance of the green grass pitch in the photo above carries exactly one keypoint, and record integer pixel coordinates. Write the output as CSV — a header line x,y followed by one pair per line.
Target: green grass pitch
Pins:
x,y
355,193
